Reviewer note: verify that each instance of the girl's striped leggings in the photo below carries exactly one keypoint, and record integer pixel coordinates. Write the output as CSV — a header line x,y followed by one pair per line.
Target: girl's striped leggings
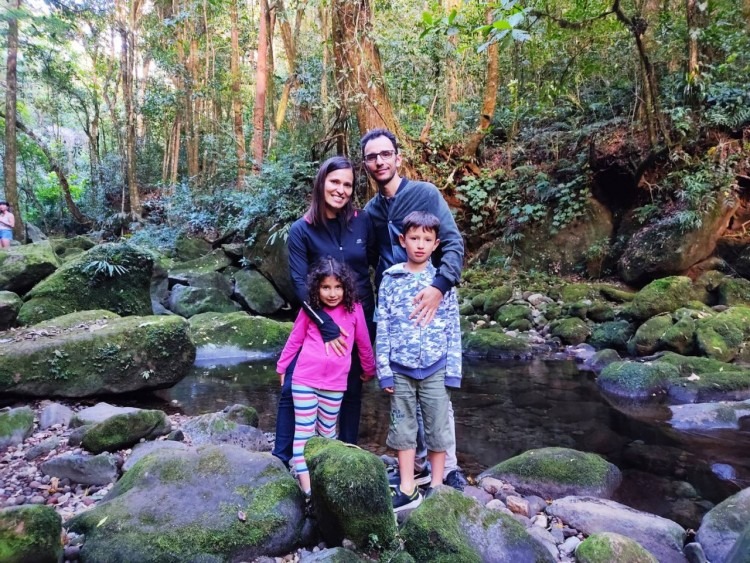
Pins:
x,y
315,411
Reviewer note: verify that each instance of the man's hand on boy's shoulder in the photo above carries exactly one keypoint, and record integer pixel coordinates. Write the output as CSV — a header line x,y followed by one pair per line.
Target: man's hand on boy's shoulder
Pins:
x,y
426,304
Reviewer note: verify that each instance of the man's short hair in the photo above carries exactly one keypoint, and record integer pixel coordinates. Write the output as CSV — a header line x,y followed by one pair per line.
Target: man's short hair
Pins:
x,y
374,134
421,219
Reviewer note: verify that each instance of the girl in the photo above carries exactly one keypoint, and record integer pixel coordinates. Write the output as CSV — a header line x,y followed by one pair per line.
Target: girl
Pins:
x,y
320,377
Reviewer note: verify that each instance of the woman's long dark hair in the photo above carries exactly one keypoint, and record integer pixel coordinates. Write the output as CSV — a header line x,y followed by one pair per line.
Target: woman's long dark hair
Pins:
x,y
329,267
316,214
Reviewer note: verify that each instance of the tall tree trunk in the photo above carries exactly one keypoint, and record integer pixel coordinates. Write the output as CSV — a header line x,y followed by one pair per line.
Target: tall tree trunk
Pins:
x,y
359,72
451,74
489,98
261,81
11,147
234,70
289,38
323,17
191,111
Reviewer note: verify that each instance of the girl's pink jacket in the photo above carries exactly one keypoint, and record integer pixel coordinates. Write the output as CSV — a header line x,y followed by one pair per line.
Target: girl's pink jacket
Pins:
x,y
318,370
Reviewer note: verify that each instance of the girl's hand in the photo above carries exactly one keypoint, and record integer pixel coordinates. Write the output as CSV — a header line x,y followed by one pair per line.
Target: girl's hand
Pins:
x,y
339,344
365,377
388,390
281,379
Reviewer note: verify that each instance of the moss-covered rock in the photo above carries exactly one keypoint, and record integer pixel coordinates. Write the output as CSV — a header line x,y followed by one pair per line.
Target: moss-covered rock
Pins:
x,y
647,339
680,337
124,430
236,424
607,547
188,248
466,309
612,334
15,425
215,503
239,330
616,294
256,293
720,336
350,493
571,330
600,312
189,301
558,472
30,534
661,296
10,305
496,298
637,380
723,524
114,277
213,262
578,309
75,245
22,267
94,357
512,313
573,292
734,291
492,344
449,527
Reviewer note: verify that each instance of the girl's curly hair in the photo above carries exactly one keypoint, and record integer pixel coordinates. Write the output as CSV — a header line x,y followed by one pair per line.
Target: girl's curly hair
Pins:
x,y
329,267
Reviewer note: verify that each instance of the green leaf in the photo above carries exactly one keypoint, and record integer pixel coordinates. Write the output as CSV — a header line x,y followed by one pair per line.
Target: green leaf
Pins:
x,y
428,18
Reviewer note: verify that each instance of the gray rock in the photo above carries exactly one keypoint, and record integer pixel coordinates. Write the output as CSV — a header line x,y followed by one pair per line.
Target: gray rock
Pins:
x,y
55,413
10,305
545,538
256,293
602,359
76,435
34,233
694,553
722,526
709,416
662,537
84,469
124,430
607,547
98,413
188,301
332,555
22,267
213,503
483,497
536,504
15,425
30,534
740,553
42,448
234,425
569,546
143,449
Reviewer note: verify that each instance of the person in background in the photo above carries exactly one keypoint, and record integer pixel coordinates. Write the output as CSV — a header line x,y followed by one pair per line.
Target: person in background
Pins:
x,y
7,223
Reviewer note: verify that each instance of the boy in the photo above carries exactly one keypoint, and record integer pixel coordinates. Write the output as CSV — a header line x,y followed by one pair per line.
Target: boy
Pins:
x,y
416,363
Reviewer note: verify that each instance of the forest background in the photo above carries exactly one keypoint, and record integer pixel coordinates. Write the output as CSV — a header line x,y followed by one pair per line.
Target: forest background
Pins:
x,y
155,119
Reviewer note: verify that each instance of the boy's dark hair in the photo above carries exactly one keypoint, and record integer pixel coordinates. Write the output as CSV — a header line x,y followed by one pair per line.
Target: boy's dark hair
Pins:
x,y
374,134
329,267
421,219
316,213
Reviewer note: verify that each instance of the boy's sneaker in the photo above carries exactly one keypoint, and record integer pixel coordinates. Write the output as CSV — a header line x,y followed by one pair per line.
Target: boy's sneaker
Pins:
x,y
402,501
456,480
420,479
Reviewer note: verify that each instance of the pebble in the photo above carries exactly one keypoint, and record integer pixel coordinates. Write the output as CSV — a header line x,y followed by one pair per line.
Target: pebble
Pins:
x,y
570,545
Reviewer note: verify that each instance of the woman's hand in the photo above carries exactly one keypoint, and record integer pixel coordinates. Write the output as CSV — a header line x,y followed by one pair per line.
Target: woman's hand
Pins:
x,y
365,377
426,304
281,379
339,345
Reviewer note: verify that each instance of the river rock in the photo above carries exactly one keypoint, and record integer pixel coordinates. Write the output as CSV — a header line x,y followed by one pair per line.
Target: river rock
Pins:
x,y
637,380
449,527
256,293
602,359
608,547
66,247
740,553
236,424
213,503
558,472
734,291
22,267
74,356
42,448
10,305
84,469
647,339
188,301
15,425
662,537
709,416
350,493
55,413
231,334
191,248
30,534
115,277
611,334
661,296
335,555
215,261
98,413
488,343
721,336
144,448
124,430
722,526
706,379
269,254
571,330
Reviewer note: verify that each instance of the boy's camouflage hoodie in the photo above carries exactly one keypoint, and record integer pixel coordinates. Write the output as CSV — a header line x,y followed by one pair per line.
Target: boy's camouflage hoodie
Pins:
x,y
410,349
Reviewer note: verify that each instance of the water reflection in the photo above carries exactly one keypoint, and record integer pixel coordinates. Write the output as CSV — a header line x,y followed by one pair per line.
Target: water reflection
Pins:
x,y
505,408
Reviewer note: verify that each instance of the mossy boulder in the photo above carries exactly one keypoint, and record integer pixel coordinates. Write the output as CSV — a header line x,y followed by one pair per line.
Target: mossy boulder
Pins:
x,y
70,358
637,380
239,331
188,248
661,296
65,247
488,343
734,291
721,336
571,330
22,267
723,525
215,261
612,334
494,299
350,493
125,430
236,424
511,313
558,472
188,301
702,417
114,277
15,426
680,337
10,305
213,503
607,547
449,527
616,294
30,534
256,293
600,312
269,254
647,339
574,292
740,553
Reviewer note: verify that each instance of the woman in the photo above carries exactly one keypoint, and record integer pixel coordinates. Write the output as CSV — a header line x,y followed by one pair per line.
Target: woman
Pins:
x,y
330,227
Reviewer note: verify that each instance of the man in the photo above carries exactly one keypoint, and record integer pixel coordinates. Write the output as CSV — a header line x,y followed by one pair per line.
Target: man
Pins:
x,y
7,222
396,198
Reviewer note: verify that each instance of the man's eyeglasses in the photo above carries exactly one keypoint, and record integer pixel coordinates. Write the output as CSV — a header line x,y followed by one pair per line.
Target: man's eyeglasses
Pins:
x,y
384,155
